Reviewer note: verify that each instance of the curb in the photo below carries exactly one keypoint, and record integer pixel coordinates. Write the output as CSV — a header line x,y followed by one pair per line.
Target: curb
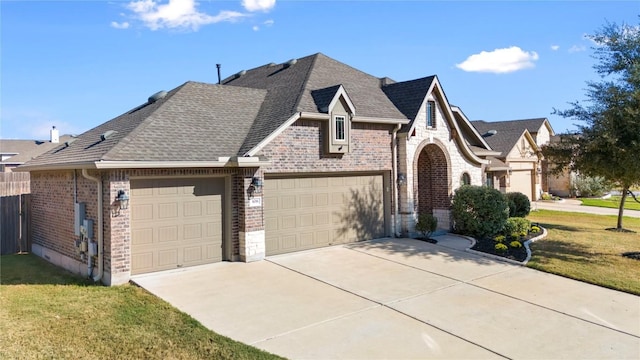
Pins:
x,y
500,258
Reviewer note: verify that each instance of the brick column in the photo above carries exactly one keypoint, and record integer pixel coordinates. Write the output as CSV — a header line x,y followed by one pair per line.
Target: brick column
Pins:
x,y
250,216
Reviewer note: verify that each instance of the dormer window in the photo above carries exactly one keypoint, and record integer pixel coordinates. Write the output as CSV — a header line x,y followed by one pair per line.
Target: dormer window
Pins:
x,y
339,128
431,114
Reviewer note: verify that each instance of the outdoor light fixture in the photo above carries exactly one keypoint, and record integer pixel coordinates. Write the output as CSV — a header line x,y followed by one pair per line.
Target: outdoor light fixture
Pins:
x,y
256,185
402,179
122,199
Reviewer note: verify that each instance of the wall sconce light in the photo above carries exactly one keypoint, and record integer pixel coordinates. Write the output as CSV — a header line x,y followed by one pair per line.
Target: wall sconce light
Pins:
x,y
510,171
539,170
402,179
256,186
122,199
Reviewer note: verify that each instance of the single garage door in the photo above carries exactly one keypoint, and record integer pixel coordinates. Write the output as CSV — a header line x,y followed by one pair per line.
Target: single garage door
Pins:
x,y
521,181
175,223
315,211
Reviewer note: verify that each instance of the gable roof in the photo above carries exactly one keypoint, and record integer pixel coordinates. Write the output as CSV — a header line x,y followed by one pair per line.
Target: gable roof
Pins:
x,y
193,122
532,125
505,138
303,85
21,151
408,96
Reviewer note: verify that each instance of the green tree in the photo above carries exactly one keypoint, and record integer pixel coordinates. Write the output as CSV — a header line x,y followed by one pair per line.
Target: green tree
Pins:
x,y
607,144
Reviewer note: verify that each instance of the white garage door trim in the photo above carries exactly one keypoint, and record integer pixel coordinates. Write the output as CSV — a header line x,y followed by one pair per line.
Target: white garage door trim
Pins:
x,y
299,218
188,212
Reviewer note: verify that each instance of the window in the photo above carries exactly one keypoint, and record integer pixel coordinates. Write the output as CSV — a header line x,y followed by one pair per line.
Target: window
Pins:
x,y
339,128
431,114
465,179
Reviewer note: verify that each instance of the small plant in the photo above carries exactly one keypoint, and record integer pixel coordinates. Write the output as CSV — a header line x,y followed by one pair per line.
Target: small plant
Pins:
x,y
426,225
546,196
499,238
515,235
515,244
524,233
535,229
501,248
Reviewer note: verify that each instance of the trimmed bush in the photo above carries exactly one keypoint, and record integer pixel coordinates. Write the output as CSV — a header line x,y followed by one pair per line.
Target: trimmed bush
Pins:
x,y
499,238
479,211
426,225
535,229
517,225
500,247
515,244
519,204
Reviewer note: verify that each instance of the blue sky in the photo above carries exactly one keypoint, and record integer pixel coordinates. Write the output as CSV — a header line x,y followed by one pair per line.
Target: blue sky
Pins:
x,y
77,64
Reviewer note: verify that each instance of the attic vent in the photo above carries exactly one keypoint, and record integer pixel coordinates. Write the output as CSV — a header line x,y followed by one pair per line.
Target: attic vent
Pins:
x,y
490,133
106,134
68,142
290,63
271,64
157,96
241,73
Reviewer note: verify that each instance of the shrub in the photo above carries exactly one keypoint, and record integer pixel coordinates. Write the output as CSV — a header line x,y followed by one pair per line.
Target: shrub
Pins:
x,y
515,235
479,211
519,204
590,186
426,225
499,238
515,244
500,247
535,229
517,225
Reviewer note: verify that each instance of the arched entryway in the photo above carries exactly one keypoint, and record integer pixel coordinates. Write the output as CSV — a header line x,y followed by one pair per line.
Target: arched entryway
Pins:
x,y
431,190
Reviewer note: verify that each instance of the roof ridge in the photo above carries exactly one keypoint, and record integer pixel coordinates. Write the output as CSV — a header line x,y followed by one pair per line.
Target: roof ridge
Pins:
x,y
125,140
306,81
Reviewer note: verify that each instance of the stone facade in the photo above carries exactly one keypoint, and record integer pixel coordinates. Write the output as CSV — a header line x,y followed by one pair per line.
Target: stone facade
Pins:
x,y
434,146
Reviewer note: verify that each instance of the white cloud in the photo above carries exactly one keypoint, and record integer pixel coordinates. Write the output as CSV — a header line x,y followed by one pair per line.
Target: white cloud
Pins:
x,y
258,5
577,48
269,22
117,25
555,47
256,28
499,61
177,14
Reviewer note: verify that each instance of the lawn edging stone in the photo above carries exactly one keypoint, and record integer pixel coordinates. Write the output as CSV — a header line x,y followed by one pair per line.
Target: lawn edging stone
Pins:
x,y
501,258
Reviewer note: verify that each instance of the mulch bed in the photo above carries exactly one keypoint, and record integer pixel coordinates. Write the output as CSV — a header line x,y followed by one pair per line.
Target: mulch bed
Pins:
x,y
429,240
517,254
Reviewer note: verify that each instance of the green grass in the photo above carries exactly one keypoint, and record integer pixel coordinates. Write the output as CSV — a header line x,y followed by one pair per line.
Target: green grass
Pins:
x,y
47,312
578,246
612,202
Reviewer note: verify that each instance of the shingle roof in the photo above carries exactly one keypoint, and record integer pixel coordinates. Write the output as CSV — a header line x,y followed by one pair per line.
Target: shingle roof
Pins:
x,y
532,125
193,122
201,122
293,88
505,138
25,150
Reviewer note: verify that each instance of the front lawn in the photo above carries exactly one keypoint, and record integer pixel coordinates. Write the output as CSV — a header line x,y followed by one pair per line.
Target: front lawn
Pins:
x,y
612,202
578,246
49,313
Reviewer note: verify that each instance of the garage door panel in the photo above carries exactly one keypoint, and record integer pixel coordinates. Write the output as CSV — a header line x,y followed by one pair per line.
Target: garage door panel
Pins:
x,y
521,181
330,220
178,221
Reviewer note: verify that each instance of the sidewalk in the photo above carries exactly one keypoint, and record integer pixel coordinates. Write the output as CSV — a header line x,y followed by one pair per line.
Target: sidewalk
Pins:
x,y
572,205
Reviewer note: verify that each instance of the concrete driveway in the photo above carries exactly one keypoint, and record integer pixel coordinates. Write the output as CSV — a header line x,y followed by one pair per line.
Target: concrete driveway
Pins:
x,y
403,299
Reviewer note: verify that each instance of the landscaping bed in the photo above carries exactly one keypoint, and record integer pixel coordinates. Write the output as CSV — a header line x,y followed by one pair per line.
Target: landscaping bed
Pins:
x,y
512,251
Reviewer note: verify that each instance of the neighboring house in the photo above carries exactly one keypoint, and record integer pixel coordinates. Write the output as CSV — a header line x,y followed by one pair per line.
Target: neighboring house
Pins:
x,y
14,153
280,158
518,165
562,184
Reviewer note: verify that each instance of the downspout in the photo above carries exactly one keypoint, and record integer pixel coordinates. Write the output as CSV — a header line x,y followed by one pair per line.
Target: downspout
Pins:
x,y
394,177
100,225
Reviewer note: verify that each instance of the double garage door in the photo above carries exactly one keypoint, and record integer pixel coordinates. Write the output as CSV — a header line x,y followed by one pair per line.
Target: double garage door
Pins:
x,y
314,211
175,223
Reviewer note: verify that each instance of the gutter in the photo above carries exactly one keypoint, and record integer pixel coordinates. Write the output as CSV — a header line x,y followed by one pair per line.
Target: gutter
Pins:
x,y
394,177
100,225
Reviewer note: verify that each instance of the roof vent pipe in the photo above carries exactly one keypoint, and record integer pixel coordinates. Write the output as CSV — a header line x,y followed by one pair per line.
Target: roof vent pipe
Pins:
x,y
490,133
55,135
219,79
290,63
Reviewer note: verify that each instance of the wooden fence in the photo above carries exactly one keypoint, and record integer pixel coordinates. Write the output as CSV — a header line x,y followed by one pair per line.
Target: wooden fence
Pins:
x,y
15,219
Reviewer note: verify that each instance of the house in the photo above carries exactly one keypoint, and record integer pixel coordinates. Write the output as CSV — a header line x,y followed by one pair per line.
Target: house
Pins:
x,y
14,153
280,158
516,165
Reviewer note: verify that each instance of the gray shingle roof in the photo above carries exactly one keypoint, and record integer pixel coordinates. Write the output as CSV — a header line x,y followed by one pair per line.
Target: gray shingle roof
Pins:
x,y
201,122
504,140
194,122
532,125
25,150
